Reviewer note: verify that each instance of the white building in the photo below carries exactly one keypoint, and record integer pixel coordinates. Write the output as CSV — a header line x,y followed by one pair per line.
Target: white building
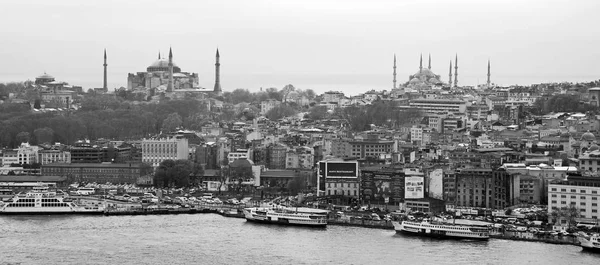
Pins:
x,y
238,154
154,151
434,106
302,157
571,193
53,156
416,134
267,105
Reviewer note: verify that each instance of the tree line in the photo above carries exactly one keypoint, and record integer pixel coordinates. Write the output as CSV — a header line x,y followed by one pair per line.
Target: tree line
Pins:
x,y
100,116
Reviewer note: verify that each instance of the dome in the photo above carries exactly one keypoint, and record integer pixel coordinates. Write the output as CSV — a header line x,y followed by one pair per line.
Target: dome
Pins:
x,y
588,136
415,80
162,65
594,147
433,80
425,72
45,76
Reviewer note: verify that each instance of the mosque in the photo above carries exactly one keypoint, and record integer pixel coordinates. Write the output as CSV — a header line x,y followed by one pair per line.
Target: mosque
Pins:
x,y
158,76
425,79
163,75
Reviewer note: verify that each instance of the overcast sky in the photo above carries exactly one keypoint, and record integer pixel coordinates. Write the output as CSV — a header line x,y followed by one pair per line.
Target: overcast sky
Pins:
x,y
343,45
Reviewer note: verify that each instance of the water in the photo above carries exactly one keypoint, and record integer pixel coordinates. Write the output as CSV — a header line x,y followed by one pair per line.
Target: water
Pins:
x,y
213,239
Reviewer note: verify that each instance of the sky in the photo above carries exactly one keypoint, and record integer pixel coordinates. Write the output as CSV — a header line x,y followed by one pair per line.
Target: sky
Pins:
x,y
339,45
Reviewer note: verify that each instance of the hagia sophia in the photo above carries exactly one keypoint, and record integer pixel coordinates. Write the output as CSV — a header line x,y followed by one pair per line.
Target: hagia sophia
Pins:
x,y
163,75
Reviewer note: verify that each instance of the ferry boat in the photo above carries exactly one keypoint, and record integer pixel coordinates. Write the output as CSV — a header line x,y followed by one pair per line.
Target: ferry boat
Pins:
x,y
42,201
590,242
287,216
442,230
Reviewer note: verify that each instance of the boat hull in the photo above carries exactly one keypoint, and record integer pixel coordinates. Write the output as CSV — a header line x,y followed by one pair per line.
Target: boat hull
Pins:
x,y
53,213
440,236
432,233
284,222
591,249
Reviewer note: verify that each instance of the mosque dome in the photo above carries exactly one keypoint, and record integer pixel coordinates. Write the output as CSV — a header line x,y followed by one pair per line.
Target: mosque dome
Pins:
x,y
593,147
45,76
162,64
415,80
588,136
433,80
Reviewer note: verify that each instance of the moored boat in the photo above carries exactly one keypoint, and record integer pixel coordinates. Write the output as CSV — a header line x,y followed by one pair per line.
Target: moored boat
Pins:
x,y
590,242
42,201
287,216
442,230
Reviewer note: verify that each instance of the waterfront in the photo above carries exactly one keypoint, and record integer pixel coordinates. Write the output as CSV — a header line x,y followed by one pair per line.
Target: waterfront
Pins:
x,y
213,239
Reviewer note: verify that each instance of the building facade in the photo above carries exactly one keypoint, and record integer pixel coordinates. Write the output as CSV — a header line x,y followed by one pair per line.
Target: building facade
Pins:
x,y
54,156
98,173
154,151
578,191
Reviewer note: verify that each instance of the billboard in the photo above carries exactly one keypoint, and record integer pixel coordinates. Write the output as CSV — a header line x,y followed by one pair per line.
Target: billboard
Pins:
x,y
381,187
341,169
414,188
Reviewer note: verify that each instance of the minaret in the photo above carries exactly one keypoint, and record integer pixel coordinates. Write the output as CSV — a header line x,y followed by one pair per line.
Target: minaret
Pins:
x,y
421,63
159,55
450,75
105,85
217,90
171,83
394,70
456,71
429,67
488,76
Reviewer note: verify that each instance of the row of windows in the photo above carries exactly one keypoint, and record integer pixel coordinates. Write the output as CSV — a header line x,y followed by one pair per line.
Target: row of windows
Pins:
x,y
594,198
342,192
574,190
341,185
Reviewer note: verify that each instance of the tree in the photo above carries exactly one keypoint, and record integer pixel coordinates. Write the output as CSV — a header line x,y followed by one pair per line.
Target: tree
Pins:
x,y
274,94
566,213
296,185
37,103
281,111
43,135
317,112
174,173
172,122
241,95
197,173
23,137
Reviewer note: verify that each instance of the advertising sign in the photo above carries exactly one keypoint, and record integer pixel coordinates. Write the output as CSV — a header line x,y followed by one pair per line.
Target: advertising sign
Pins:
x,y
341,169
414,188
380,187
